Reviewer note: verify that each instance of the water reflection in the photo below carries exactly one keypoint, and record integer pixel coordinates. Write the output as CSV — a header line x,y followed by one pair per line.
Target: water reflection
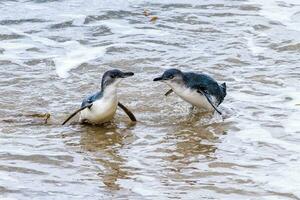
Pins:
x,y
103,144
193,141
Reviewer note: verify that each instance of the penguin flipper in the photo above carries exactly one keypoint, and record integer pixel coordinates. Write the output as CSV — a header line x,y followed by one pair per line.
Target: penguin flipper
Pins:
x,y
77,111
209,100
224,87
127,111
169,92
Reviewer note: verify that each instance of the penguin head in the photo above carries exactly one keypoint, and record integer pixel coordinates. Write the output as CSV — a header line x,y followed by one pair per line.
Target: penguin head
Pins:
x,y
170,76
114,77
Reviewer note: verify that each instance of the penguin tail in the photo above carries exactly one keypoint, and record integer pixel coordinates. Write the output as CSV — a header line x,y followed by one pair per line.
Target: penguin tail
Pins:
x,y
223,86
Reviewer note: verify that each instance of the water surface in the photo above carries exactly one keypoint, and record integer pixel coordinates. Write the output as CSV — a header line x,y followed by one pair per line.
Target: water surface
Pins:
x,y
54,52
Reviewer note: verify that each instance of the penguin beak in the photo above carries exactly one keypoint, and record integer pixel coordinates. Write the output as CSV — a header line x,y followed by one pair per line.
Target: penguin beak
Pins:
x,y
158,79
127,74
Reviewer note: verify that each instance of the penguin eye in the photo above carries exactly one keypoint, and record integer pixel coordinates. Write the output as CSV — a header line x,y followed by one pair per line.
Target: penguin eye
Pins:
x,y
171,77
113,76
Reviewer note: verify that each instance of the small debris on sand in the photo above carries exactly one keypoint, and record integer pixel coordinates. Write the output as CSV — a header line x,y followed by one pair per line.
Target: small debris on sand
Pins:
x,y
146,12
47,116
153,19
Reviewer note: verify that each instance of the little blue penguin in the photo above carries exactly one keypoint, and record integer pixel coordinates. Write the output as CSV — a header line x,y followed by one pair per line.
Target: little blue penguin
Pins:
x,y
198,89
101,106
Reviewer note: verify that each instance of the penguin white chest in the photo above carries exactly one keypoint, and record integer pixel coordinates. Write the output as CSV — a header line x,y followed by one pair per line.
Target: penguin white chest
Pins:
x,y
102,110
192,97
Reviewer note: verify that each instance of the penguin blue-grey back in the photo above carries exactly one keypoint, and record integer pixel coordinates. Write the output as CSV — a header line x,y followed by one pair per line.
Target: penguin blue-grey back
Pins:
x,y
205,83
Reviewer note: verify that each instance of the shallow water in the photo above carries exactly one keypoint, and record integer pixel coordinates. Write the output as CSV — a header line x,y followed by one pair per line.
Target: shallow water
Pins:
x,y
53,53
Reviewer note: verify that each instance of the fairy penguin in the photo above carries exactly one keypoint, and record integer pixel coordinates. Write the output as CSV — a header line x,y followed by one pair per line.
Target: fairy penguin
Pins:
x,y
101,106
200,90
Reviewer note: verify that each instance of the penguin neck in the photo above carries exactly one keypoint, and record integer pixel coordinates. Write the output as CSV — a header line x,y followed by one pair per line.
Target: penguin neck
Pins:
x,y
110,92
177,86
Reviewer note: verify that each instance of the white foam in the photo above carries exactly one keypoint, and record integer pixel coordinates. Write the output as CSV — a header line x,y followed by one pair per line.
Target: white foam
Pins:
x,y
283,180
259,134
273,10
256,50
140,188
75,54
14,46
277,179
124,28
292,125
72,56
14,50
77,19
42,40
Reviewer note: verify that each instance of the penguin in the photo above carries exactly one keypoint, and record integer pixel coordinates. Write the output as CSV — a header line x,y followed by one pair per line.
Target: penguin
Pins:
x,y
101,106
198,89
